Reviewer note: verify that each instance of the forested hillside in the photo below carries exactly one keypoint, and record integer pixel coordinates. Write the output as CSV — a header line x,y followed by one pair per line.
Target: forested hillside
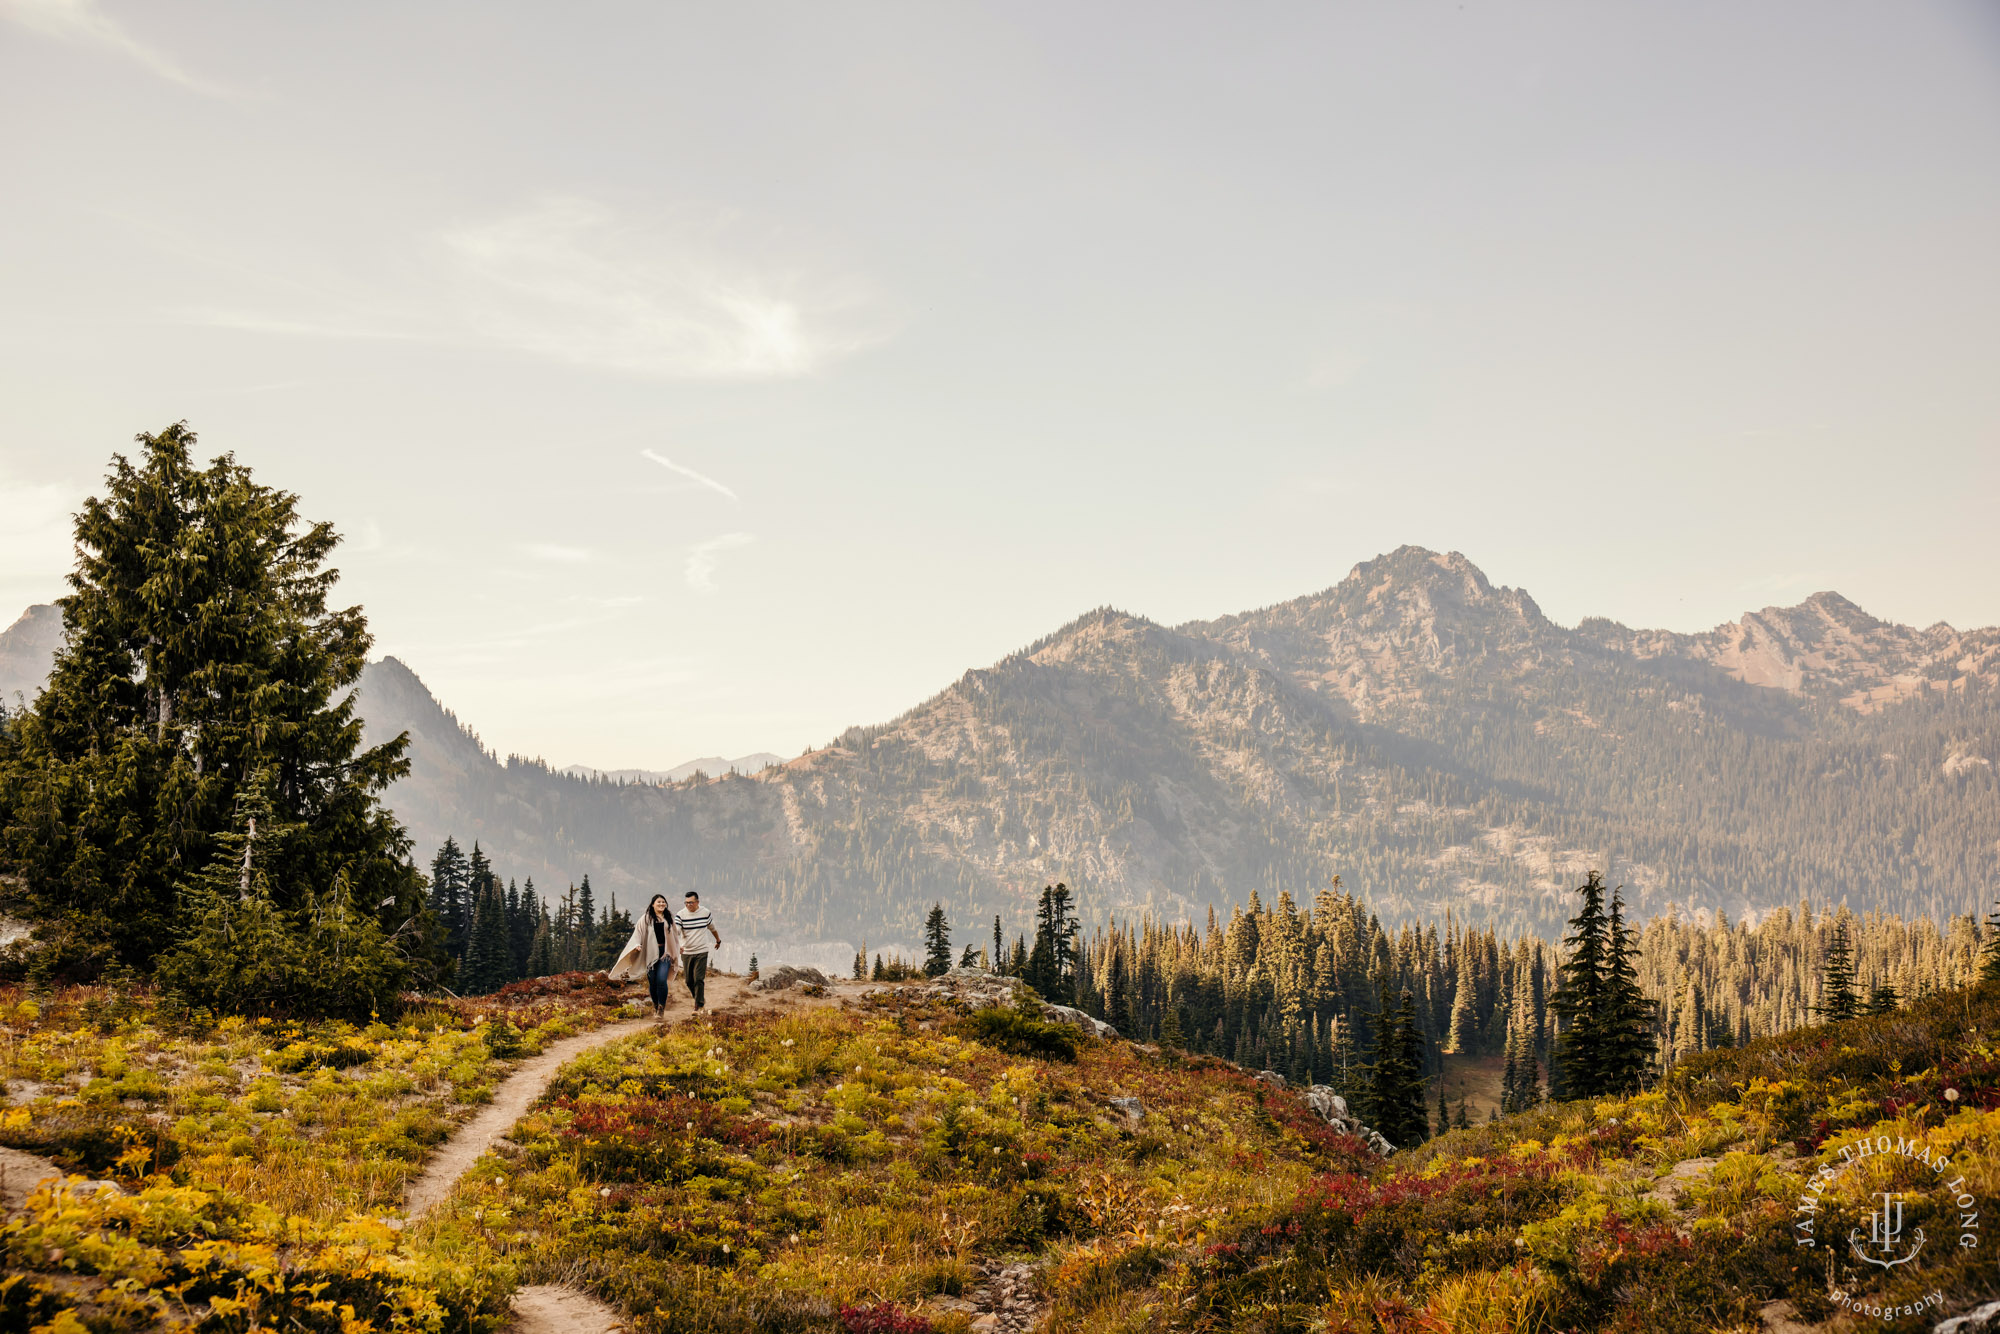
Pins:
x,y
1433,739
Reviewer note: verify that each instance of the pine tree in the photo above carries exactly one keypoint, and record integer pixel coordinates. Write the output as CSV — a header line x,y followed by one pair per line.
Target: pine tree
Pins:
x,y
450,899
1837,1000
1580,1000
999,947
1171,1033
877,975
1444,1109
752,974
861,963
1884,999
1461,1119
1463,1020
937,942
478,875
488,958
970,958
525,912
200,650
612,933
1625,1036
1395,1091
542,949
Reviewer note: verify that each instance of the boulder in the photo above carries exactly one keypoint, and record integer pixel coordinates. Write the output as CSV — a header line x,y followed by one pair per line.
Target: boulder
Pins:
x,y
1982,1320
1271,1077
779,979
1131,1110
1331,1108
983,989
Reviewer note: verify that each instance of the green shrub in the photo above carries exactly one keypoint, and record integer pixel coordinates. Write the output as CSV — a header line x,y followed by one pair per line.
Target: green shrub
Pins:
x,y
1023,1031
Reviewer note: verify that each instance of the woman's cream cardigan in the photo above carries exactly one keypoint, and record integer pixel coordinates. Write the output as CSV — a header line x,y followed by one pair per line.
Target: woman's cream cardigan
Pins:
x,y
642,951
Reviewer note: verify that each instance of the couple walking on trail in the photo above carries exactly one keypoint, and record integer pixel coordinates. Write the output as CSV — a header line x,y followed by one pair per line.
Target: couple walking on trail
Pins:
x,y
665,941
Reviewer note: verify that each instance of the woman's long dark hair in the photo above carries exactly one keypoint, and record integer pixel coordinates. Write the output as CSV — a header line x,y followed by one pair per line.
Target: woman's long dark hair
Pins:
x,y
661,899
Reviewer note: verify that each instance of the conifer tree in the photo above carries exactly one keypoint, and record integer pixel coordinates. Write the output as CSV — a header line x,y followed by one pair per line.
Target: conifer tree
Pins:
x,y
450,880
612,933
861,963
970,957
937,942
1837,999
999,947
488,957
1580,999
1625,1037
1884,999
1395,1091
1463,1024
200,649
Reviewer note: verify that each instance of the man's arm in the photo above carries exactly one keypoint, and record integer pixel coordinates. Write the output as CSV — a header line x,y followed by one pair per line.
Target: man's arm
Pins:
x,y
713,932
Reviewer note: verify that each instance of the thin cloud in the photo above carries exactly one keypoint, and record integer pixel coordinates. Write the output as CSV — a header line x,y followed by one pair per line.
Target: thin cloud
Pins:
x,y
690,474
82,22
674,295
704,557
560,554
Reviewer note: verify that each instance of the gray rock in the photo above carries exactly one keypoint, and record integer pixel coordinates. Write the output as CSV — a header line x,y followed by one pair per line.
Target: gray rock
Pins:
x,y
1331,1108
982,989
1131,1109
779,979
1271,1077
1981,1320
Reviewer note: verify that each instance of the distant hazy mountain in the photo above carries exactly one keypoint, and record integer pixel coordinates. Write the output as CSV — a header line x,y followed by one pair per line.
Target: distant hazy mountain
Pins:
x,y
1433,739
712,765
27,647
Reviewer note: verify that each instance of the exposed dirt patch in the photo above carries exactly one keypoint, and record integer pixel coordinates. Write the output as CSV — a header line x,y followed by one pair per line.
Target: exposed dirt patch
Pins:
x,y
548,1309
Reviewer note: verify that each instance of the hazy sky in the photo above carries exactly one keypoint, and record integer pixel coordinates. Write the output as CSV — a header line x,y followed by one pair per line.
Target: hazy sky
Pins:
x,y
706,379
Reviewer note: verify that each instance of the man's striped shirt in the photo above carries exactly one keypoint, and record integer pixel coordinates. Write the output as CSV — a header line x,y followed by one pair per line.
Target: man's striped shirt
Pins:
x,y
694,928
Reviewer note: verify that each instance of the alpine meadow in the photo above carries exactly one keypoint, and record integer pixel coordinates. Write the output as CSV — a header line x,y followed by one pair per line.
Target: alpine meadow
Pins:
x,y
999,668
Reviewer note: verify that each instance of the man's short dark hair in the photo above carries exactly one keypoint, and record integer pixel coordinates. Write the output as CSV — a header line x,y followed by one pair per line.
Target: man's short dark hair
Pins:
x,y
696,897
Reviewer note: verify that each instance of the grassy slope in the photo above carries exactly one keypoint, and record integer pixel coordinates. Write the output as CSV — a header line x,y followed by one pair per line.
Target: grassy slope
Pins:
x,y
260,1158
771,1172
767,1172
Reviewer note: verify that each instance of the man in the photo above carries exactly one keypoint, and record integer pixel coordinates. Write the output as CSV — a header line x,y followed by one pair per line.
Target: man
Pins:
x,y
691,922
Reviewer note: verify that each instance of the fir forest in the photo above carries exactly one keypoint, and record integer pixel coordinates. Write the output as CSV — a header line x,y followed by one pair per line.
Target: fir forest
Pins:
x,y
1015,668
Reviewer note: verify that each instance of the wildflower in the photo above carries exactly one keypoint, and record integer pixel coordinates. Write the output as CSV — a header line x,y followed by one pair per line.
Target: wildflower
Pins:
x,y
499,1181
606,1192
1951,1095
690,1125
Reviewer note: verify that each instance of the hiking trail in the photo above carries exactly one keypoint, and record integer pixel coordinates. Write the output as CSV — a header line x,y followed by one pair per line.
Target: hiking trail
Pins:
x,y
549,1308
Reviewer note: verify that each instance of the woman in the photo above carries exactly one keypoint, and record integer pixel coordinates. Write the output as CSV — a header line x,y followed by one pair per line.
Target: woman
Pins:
x,y
655,948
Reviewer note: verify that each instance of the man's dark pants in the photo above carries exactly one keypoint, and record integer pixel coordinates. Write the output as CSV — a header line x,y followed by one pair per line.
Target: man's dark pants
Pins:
x,y
695,967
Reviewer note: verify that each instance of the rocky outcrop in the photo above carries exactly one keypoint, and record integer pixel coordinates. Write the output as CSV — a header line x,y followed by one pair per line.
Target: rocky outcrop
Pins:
x,y
983,989
782,979
1331,1108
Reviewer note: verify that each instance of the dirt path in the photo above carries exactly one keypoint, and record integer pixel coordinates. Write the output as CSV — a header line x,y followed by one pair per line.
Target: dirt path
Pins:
x,y
550,1308
517,1092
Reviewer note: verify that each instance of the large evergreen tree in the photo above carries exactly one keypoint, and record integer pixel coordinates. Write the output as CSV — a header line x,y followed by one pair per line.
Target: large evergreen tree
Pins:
x,y
1837,997
937,942
451,886
1394,1097
200,649
1581,994
1626,1041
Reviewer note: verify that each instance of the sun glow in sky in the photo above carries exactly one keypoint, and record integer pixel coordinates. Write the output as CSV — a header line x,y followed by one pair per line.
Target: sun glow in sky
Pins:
x,y
700,380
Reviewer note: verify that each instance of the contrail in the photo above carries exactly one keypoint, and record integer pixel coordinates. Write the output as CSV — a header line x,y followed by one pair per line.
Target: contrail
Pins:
x,y
690,474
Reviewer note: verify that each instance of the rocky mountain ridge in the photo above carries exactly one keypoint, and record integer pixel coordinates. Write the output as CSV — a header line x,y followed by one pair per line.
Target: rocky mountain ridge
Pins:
x,y
1432,737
